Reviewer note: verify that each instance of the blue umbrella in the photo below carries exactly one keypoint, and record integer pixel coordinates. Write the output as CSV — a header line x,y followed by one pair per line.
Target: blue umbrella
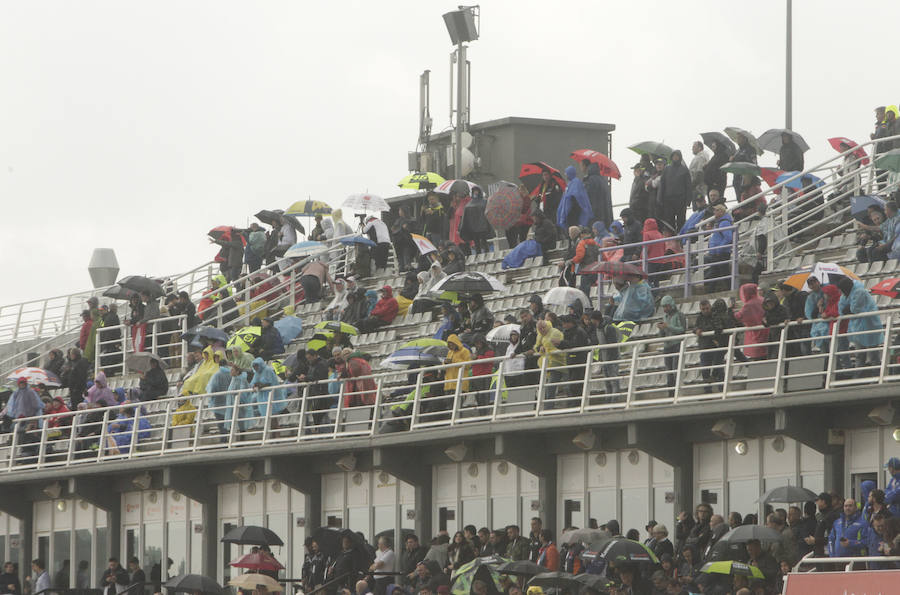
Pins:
x,y
301,249
808,181
358,240
407,357
289,327
859,206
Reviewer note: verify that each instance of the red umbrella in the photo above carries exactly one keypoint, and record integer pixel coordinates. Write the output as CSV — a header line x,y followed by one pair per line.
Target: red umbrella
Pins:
x,y
613,269
770,174
222,232
531,175
258,561
607,167
889,287
504,207
859,153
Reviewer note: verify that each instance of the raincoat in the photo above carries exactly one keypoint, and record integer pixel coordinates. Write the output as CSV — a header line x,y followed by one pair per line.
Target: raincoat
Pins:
x,y
185,414
57,405
265,377
751,314
600,232
547,345
245,399
219,382
675,322
811,312
243,360
457,219
197,382
121,428
636,303
100,392
339,301
575,197
598,192
518,255
24,402
461,354
651,232
386,309
892,492
357,391
856,300
91,344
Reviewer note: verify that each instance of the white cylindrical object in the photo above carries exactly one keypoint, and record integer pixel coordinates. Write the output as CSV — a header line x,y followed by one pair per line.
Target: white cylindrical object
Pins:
x,y
104,267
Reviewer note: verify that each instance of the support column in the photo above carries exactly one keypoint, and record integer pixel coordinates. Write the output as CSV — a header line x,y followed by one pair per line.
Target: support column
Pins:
x,y
407,467
288,472
184,481
98,494
532,455
15,503
670,447
810,427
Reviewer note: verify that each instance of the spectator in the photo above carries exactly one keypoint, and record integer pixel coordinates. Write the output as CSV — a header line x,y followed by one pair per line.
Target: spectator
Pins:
x,y
794,303
800,528
857,300
548,195
747,207
720,244
480,321
270,342
745,154
672,325
85,332
544,234
598,193
341,228
784,550
460,552
75,375
825,519
404,248
674,193
636,301
9,580
474,227
764,561
481,373
892,489
41,576
517,546
639,201
881,235
752,314
547,347
313,276
790,156
153,383
548,555
410,558
713,176
814,308
457,354
55,362
318,233
435,217
120,430
455,261
655,252
849,534
378,233
698,162
136,575
688,566
709,327
574,336
575,206
385,562
633,235
518,231
586,253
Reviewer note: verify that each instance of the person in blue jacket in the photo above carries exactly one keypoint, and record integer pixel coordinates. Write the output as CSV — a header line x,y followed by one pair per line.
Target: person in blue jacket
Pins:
x,y
850,533
636,301
575,206
264,378
857,300
121,429
892,489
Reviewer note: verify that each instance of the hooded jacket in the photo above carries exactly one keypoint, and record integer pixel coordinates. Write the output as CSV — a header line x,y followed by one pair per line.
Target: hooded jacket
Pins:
x,y
855,530
713,176
386,308
457,356
100,393
892,490
720,241
856,300
547,345
264,377
24,402
575,206
675,322
790,157
473,221
752,314
636,303
651,232
675,184
598,193
196,383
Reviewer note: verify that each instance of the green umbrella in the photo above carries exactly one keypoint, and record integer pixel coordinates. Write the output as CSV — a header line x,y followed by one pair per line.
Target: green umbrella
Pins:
x,y
319,340
425,343
421,181
733,568
244,338
741,168
889,161
652,148
337,327
484,569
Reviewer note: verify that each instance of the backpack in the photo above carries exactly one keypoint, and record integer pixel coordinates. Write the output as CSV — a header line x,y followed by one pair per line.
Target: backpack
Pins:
x,y
591,253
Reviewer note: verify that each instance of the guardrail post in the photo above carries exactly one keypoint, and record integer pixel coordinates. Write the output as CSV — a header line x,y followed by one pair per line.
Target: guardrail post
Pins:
x,y
687,268
729,356
166,428
417,402
779,363
735,243
454,415
340,409
498,390
631,376
292,290
235,416
886,349
40,327
125,337
586,385
198,424
134,431
13,444
267,420
15,335
101,447
378,400
42,447
832,350
303,411
679,367
542,382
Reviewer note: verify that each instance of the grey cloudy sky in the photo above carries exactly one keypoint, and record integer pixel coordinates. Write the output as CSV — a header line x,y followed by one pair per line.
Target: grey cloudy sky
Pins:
x,y
141,125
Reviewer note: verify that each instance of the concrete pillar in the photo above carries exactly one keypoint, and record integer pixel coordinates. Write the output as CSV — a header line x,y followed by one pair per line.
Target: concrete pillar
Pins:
x,y
289,472
670,447
405,466
99,495
834,470
533,455
15,503
185,481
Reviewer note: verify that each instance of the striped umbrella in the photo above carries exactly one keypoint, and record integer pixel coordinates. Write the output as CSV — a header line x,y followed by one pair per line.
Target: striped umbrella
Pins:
x,y
34,376
504,207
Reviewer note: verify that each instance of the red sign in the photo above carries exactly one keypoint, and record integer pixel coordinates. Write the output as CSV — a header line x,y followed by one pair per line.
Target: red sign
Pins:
x,y
863,582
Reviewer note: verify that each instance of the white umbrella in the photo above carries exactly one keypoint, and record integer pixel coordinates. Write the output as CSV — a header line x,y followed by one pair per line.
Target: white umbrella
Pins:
x,y
447,186
733,132
307,248
563,296
366,202
500,334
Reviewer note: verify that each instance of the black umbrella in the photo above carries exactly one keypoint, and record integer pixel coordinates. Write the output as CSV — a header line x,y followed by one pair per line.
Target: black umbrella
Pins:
x,y
598,582
788,494
143,284
521,568
722,139
273,218
252,535
556,580
117,292
194,582
468,282
207,332
329,540
622,550
746,533
404,533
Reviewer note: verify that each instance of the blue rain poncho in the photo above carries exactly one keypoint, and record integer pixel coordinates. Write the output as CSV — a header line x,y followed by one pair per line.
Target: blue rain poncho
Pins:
x,y
246,408
264,376
811,311
858,301
219,382
575,195
121,428
636,303
24,402
522,252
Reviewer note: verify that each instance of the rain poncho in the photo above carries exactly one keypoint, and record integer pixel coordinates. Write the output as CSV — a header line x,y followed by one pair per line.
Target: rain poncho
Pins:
x,y
857,300
91,343
218,383
811,312
751,314
675,323
522,252
197,382
461,354
24,402
339,301
598,191
242,360
185,414
245,400
100,391
265,376
651,232
357,391
575,197
600,232
548,339
636,303
120,431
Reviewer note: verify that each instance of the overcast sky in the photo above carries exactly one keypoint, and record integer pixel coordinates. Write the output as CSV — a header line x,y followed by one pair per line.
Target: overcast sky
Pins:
x,y
138,126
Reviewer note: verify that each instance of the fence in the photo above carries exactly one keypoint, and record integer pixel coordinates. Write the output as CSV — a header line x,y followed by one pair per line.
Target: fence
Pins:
x,y
632,375
161,337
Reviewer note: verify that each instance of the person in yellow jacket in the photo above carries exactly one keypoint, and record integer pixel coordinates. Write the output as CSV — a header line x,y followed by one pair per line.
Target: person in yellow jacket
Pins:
x,y
547,347
196,384
185,414
457,354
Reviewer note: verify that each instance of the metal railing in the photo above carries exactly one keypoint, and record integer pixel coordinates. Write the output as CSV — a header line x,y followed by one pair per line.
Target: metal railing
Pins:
x,y
849,561
632,375
161,336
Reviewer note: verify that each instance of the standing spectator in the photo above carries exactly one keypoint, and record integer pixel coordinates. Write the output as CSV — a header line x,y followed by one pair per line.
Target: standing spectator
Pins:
x,y
534,539
410,558
316,373
745,154
775,316
604,333
548,195
849,533
41,576
825,519
636,301
9,580
674,193
255,250
698,162
598,192
633,234
709,328
586,253
800,528
383,313
764,561
673,324
752,314
481,373
287,236
75,376
401,233
435,216
662,546
544,234
114,579
575,206
474,226
794,303
231,254
790,156
457,354
85,332
857,300
656,251
892,489
548,556
547,348
814,308
747,207
713,176
784,550
574,336
519,230
313,276
55,362
378,233
720,244
385,562
639,199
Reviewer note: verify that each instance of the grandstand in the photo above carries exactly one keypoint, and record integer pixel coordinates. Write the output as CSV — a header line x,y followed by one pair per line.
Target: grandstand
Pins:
x,y
653,444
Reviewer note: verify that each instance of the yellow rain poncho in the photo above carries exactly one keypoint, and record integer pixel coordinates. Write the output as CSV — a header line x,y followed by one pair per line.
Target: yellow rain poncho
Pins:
x,y
546,345
196,384
459,355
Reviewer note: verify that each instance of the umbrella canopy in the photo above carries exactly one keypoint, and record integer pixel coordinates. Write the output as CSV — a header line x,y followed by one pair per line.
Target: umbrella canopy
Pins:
x,y
421,181
521,568
307,248
826,272
244,338
193,582
34,376
252,581
140,361
427,342
734,132
222,232
309,208
806,182
770,174
270,217
484,569
613,268
625,550
889,287
329,540
770,140
413,357
595,539
117,292
469,282
746,533
788,494
423,244
504,207
563,296
500,334
859,207
710,137
207,332
597,582
532,175
142,284
859,153
608,167
556,580
289,327
733,568
458,186
741,168
652,148
257,561
252,535
889,161
358,240
337,327
319,340
366,202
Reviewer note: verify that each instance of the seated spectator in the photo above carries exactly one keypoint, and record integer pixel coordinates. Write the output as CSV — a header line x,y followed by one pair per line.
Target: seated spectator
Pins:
x,y
23,402
450,323
407,293
270,342
878,239
196,383
55,407
100,395
636,301
359,388
457,354
481,320
119,431
55,362
154,383
184,414
544,234
587,252
357,307
382,314
337,304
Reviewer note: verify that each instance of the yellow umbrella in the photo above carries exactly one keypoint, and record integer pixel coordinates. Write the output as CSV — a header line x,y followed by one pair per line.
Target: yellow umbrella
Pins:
x,y
421,181
825,272
252,581
308,208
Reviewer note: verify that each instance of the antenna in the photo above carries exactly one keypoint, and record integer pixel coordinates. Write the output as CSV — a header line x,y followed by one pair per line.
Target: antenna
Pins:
x,y
424,107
